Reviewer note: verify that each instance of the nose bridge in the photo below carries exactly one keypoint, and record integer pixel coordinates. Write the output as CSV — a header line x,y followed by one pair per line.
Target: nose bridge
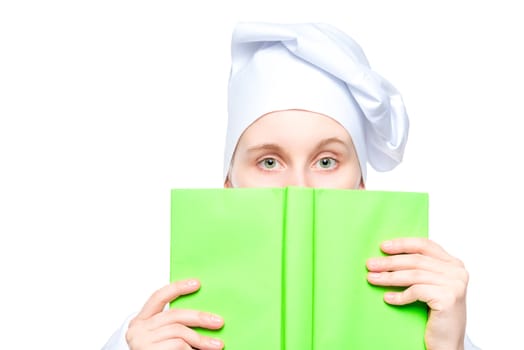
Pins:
x,y
299,177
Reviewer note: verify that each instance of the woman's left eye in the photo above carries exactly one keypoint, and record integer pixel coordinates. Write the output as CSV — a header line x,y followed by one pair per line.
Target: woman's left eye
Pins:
x,y
326,163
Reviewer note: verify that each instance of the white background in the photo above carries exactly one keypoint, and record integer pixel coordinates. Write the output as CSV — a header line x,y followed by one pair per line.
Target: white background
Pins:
x,y
107,105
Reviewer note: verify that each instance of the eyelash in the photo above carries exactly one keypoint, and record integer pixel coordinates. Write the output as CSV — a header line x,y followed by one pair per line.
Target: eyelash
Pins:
x,y
260,163
333,159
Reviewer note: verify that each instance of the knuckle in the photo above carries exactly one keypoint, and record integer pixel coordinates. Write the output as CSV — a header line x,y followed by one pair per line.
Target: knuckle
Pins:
x,y
465,277
201,340
461,290
177,329
202,317
418,275
459,263
131,335
414,291
386,276
179,344
461,272
132,323
196,340
133,328
448,298
427,245
417,259
158,294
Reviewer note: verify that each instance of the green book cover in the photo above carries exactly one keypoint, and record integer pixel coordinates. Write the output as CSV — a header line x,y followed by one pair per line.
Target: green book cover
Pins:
x,y
286,267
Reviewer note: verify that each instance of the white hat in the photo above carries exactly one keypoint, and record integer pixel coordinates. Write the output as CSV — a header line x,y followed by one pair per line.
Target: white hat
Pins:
x,y
314,67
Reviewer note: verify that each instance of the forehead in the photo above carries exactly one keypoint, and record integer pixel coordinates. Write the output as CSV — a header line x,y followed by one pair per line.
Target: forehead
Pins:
x,y
293,124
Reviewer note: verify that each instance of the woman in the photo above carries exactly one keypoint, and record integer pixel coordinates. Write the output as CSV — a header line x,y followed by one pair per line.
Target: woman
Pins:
x,y
305,109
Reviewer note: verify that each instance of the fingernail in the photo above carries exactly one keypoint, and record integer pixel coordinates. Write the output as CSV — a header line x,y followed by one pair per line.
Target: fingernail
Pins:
x,y
389,296
216,319
387,244
216,343
192,283
372,263
374,275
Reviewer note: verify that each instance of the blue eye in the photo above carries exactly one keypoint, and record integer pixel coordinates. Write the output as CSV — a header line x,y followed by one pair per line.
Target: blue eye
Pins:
x,y
326,163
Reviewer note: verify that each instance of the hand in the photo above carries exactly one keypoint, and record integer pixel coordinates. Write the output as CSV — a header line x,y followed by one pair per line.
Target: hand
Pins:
x,y
157,329
431,275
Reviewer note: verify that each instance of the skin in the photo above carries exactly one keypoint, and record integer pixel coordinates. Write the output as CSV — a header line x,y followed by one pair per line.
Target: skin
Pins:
x,y
295,148
318,153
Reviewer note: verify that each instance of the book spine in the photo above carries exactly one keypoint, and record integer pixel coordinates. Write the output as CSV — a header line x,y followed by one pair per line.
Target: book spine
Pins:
x,y
297,267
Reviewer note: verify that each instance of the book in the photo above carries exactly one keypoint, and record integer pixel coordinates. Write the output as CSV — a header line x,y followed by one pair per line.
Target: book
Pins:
x,y
286,267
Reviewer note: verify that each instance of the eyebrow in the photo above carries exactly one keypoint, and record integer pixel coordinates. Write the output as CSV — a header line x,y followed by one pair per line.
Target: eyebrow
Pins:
x,y
265,147
327,141
278,148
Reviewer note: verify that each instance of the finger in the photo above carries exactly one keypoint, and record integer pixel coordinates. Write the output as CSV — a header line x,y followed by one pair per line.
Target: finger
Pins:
x,y
188,335
409,262
190,318
164,295
412,245
172,344
406,278
436,297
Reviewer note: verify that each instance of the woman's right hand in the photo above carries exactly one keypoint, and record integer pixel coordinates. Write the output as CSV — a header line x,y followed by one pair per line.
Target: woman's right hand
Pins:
x,y
157,329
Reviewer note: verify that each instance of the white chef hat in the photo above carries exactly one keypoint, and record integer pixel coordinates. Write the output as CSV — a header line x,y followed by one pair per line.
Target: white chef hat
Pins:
x,y
314,67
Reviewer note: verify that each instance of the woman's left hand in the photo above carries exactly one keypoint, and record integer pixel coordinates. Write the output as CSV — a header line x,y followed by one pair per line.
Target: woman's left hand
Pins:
x,y
432,276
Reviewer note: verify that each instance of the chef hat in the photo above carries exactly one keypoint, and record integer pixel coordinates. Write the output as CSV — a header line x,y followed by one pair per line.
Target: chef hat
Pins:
x,y
314,67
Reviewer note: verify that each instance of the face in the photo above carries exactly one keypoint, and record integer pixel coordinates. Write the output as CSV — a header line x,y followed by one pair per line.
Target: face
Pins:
x,y
295,148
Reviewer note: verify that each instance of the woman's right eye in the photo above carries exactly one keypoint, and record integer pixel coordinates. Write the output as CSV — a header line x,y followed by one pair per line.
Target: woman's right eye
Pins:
x,y
269,163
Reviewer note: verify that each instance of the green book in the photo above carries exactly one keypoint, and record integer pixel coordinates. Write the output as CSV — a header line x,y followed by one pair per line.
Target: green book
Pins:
x,y
286,267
